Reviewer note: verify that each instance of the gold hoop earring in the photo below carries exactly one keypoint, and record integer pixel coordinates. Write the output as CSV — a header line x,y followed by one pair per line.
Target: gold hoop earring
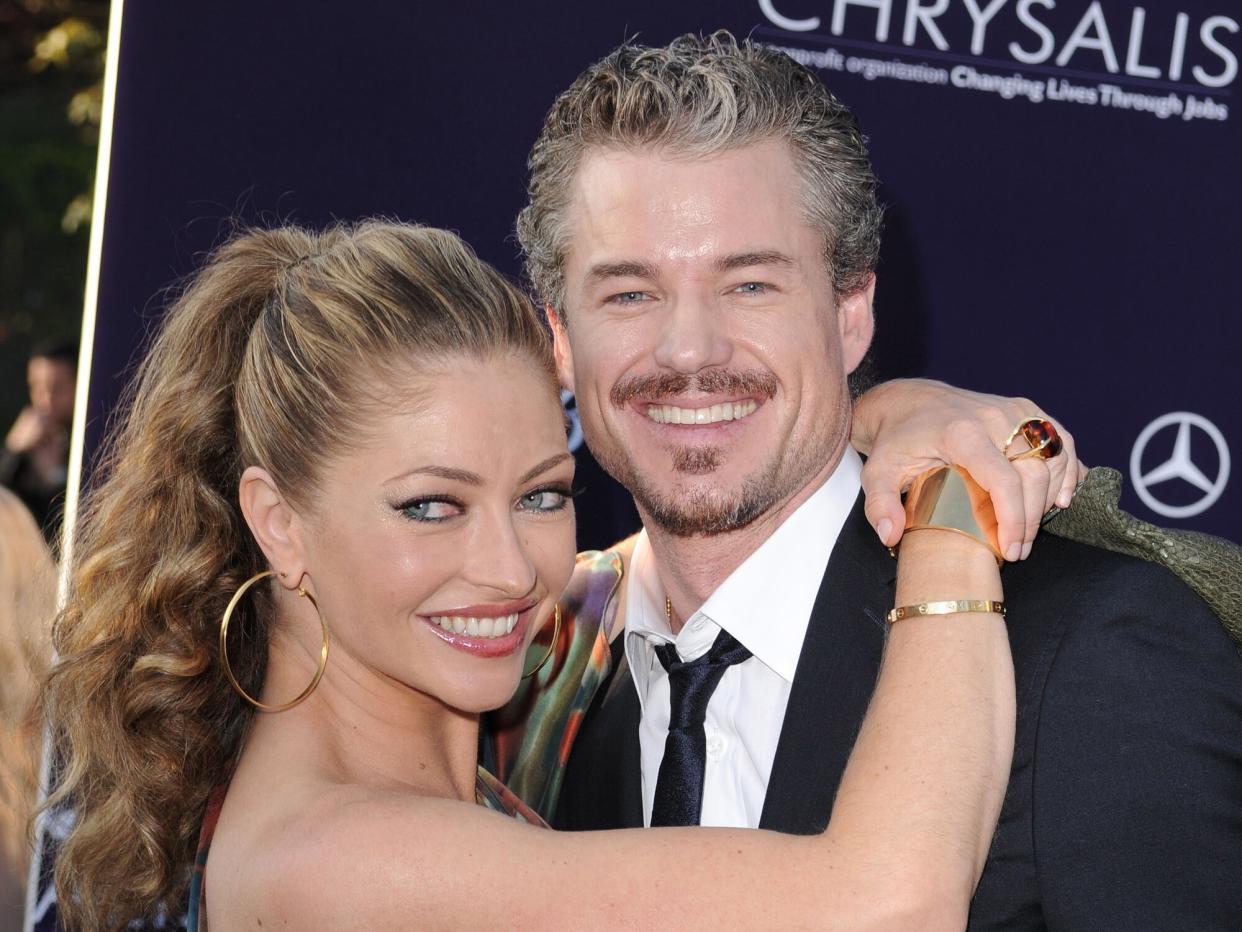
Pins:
x,y
224,647
556,633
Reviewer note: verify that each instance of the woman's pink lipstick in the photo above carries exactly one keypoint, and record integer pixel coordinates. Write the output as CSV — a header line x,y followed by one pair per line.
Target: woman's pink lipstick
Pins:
x,y
496,629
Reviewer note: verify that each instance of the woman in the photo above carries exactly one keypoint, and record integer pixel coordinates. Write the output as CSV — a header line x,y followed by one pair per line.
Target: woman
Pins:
x,y
370,416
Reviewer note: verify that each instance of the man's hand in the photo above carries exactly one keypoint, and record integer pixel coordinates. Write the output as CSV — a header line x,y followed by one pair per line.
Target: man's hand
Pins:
x,y
907,426
28,431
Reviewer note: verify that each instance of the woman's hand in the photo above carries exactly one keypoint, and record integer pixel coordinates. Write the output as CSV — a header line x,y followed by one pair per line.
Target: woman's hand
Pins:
x,y
907,426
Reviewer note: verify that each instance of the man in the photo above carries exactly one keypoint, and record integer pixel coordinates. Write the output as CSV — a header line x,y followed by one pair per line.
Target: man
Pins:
x,y
703,229
34,462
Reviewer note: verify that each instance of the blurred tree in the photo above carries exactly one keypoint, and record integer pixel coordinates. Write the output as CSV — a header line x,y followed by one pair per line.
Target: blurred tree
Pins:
x,y
51,77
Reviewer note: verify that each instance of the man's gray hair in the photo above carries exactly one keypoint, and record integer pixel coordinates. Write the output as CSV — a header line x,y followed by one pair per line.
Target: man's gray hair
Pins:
x,y
700,96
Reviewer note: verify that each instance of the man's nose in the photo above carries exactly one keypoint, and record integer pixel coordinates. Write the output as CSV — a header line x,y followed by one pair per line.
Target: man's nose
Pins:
x,y
692,336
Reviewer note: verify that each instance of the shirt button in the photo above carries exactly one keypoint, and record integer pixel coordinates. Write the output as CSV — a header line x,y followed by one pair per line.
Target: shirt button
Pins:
x,y
715,746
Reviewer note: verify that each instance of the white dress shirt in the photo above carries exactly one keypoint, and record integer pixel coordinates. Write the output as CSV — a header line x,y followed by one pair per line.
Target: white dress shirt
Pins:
x,y
766,605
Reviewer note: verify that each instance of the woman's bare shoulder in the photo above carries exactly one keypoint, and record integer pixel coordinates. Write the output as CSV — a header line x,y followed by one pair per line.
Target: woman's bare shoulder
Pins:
x,y
350,857
284,856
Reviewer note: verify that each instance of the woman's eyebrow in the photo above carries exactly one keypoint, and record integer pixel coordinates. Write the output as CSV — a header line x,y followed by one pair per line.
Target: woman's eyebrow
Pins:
x,y
544,466
444,472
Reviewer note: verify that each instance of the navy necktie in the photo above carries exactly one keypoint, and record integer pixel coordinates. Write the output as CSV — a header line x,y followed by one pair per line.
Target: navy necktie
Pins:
x,y
679,786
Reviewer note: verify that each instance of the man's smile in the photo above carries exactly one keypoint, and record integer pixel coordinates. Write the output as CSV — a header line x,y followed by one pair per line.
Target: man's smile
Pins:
x,y
703,414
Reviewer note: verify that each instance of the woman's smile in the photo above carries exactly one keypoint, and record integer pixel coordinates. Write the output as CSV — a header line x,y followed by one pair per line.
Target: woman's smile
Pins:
x,y
493,630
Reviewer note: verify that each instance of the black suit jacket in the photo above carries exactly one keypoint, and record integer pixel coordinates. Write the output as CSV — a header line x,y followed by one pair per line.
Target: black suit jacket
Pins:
x,y
1124,807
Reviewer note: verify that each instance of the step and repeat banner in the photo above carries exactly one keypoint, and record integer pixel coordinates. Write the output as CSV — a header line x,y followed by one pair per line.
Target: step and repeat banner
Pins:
x,y
1065,206
1062,181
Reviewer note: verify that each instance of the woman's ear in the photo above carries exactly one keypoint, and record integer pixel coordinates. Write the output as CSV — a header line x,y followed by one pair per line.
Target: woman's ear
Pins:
x,y
274,524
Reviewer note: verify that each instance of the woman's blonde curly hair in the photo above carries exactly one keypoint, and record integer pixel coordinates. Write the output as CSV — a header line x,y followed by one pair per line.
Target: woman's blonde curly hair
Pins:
x,y
261,361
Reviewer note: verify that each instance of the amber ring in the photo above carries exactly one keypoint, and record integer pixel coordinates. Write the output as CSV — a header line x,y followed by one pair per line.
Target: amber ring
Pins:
x,y
1041,437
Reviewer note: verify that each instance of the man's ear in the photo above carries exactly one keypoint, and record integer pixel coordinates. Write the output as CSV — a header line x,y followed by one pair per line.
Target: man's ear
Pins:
x,y
274,524
856,324
560,347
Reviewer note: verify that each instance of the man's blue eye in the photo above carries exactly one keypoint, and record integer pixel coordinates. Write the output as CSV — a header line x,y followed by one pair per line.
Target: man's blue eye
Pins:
x,y
752,288
628,297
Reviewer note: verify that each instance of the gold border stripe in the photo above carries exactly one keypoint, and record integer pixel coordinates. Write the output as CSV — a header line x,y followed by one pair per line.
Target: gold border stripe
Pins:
x,y
91,304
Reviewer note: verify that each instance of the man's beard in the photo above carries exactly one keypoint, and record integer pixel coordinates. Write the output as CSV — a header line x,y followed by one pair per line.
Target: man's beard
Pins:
x,y
702,512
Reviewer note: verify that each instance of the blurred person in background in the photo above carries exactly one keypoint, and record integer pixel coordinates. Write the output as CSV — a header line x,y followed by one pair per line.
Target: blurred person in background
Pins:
x,y
35,459
27,600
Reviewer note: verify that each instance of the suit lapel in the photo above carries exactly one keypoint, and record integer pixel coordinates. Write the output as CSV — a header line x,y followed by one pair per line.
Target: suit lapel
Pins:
x,y
622,700
603,780
833,682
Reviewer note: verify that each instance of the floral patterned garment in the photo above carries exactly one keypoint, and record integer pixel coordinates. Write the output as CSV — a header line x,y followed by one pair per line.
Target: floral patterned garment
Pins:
x,y
488,792
531,736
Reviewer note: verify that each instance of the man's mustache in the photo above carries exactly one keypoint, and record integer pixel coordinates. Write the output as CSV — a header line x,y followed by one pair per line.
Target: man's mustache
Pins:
x,y
748,382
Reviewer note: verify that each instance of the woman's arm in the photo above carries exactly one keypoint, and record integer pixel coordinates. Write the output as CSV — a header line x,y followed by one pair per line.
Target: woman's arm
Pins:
x,y
939,732
908,836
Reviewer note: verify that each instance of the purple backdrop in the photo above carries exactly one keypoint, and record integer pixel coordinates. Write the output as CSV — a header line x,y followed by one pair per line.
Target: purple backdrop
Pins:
x,y
1064,202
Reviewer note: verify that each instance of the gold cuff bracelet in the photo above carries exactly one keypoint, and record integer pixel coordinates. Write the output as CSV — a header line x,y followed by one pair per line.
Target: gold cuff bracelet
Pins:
x,y
946,498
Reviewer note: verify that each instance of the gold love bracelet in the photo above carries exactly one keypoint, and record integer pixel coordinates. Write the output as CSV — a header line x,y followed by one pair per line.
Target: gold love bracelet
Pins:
x,y
950,607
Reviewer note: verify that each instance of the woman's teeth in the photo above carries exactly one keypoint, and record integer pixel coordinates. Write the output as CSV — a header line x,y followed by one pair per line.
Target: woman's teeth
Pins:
x,y
476,627
729,411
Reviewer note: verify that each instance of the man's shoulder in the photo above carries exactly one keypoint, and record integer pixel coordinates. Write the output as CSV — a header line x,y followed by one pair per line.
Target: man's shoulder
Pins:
x,y
1090,627
1210,566
1078,592
1128,745
1104,643
1064,562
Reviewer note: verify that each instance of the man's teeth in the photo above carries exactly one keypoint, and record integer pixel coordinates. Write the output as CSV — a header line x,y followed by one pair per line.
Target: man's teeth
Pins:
x,y
476,627
729,411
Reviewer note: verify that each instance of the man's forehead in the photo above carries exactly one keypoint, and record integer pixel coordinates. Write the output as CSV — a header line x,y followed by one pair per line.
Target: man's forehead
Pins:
x,y
617,166
632,206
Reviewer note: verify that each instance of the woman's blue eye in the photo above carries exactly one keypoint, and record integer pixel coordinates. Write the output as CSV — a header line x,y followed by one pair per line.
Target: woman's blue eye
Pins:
x,y
543,500
430,509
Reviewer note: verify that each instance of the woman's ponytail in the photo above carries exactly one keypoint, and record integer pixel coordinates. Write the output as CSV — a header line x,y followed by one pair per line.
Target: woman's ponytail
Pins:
x,y
143,723
263,360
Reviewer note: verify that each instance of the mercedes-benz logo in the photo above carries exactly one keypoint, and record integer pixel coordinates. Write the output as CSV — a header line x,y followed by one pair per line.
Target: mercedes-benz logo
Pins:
x,y
1179,465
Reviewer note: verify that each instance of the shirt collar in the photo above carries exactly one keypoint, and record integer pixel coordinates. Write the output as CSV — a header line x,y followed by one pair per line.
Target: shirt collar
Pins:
x,y
766,602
